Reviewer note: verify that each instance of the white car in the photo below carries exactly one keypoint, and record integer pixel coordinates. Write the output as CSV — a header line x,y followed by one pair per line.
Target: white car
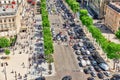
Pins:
x,y
88,62
83,62
104,66
88,52
80,44
78,52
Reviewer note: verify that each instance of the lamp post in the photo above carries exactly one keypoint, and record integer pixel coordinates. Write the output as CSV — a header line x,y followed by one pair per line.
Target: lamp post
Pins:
x,y
4,64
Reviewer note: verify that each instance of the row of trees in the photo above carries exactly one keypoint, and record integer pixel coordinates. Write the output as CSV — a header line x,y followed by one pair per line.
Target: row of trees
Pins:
x,y
48,43
112,49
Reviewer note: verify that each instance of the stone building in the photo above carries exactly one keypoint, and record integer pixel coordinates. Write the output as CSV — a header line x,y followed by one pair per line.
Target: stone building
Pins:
x,y
112,16
10,17
98,7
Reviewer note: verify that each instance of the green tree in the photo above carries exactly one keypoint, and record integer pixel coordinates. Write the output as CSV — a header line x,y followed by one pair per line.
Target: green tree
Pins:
x,y
75,7
4,42
83,12
86,20
118,34
7,51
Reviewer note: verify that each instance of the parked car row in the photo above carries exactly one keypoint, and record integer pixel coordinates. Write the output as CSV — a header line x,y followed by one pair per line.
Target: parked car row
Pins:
x,y
39,45
87,55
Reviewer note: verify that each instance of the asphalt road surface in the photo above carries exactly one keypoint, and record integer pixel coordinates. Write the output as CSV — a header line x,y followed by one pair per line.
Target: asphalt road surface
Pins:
x,y
64,57
66,64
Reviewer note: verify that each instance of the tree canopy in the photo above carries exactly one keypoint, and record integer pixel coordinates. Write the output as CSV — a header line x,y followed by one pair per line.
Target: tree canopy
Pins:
x,y
118,34
7,51
48,43
4,42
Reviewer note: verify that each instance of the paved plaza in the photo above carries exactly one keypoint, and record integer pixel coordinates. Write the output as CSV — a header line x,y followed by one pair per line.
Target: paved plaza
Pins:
x,y
20,66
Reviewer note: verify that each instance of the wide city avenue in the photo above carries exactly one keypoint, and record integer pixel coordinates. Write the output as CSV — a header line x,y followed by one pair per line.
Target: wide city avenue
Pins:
x,y
59,40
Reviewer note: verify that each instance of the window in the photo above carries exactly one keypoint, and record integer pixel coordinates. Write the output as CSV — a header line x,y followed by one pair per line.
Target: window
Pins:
x,y
4,20
5,2
0,21
9,20
1,26
13,19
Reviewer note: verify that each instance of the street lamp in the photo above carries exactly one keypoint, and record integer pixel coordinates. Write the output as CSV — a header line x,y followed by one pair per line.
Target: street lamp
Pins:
x,y
4,64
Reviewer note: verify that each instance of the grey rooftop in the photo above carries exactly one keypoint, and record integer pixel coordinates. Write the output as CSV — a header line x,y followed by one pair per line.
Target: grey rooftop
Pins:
x,y
6,11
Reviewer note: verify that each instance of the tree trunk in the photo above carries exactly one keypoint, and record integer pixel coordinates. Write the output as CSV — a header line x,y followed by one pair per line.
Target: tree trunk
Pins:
x,y
50,68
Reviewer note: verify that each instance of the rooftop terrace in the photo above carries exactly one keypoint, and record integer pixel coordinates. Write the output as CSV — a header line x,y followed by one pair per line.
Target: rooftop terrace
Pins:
x,y
6,10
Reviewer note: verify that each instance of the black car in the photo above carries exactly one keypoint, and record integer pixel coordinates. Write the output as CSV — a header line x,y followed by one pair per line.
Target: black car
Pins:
x,y
107,73
40,78
90,58
75,47
67,78
87,71
93,62
115,77
90,78
100,75
93,74
97,68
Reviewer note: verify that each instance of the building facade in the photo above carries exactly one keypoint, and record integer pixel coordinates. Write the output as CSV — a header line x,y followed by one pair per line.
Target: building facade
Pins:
x,y
98,7
112,17
10,17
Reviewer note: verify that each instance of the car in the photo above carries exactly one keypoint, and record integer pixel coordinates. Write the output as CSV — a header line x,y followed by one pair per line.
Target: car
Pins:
x,y
100,75
82,49
83,62
83,53
80,44
93,62
87,52
97,68
87,71
107,73
40,78
78,52
91,68
115,77
104,66
93,74
1,50
67,78
75,47
88,62
85,57
90,78
106,79
79,58
90,58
